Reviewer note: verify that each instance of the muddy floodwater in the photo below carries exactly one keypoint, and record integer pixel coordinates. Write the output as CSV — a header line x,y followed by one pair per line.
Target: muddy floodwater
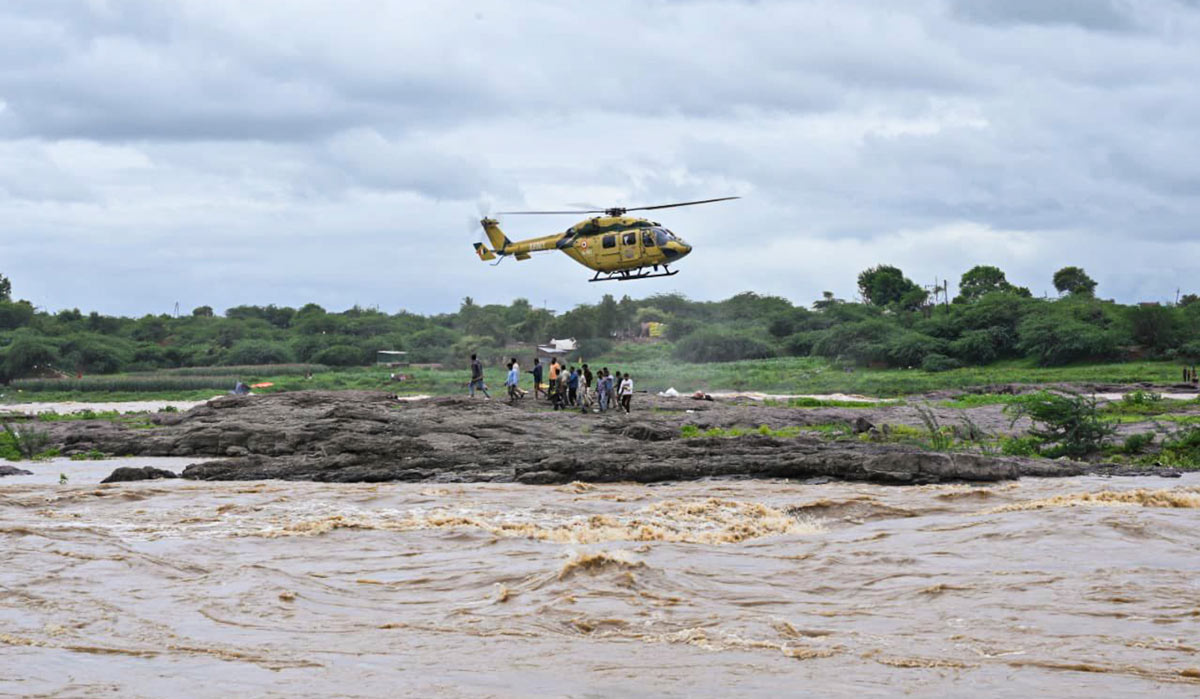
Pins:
x,y
1049,587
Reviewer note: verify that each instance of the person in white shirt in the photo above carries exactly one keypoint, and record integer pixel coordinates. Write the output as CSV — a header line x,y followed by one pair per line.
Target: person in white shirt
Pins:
x,y
626,392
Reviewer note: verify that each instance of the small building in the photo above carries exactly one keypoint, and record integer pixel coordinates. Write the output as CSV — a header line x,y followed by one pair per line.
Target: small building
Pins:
x,y
558,347
391,358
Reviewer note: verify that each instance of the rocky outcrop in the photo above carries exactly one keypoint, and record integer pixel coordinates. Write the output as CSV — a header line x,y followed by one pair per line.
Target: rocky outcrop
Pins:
x,y
14,471
133,473
352,436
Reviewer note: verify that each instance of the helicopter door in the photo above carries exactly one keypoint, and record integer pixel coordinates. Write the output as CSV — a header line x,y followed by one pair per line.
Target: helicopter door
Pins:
x,y
631,249
608,253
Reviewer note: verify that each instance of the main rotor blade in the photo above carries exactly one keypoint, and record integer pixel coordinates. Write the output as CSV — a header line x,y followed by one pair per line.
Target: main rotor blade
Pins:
x,y
682,203
582,211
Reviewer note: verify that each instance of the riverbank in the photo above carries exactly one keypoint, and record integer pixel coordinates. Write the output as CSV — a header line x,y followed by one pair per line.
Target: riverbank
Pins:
x,y
352,436
652,370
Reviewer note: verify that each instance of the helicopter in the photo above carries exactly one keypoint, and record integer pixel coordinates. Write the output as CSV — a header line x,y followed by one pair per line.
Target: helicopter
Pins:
x,y
616,246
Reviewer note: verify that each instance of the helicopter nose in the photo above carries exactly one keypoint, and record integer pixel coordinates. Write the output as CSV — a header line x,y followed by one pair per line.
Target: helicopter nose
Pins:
x,y
676,250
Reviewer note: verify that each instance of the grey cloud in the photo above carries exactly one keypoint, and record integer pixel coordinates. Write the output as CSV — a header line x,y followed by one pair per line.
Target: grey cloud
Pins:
x,y
1104,15
222,152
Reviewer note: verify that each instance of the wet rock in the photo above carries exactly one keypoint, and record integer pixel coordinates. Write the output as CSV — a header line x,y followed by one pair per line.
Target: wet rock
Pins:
x,y
363,436
649,433
862,424
1130,471
14,471
134,473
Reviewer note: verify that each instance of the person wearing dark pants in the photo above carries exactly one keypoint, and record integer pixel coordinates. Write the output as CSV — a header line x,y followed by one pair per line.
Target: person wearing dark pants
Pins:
x,y
626,392
537,379
573,386
477,379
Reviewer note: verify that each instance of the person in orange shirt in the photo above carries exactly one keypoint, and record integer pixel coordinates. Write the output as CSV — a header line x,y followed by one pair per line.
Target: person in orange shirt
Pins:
x,y
554,369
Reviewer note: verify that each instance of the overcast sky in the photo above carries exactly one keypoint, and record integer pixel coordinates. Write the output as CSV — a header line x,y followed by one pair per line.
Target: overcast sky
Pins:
x,y
226,152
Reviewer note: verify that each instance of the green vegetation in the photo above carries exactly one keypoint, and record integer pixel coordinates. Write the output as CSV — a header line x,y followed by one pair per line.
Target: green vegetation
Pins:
x,y
975,400
1181,450
90,455
1066,425
22,442
692,431
810,402
993,332
1136,443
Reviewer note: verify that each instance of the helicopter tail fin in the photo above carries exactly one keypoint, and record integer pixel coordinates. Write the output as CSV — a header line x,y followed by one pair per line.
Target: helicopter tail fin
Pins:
x,y
483,252
494,234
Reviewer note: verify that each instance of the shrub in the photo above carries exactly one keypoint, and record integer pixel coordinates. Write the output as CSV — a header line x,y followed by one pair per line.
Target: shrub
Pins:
x,y
258,352
97,354
1135,443
1141,399
679,328
800,344
713,345
939,438
595,346
982,346
26,355
1020,446
27,441
1182,449
1190,350
939,362
861,341
340,355
15,315
1069,422
1053,339
909,349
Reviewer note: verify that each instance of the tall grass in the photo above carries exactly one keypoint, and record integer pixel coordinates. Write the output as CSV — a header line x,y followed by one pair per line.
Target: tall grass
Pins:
x,y
244,370
652,367
119,383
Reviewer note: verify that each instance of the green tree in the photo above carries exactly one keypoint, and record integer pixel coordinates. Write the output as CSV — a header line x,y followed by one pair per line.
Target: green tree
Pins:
x,y
203,312
257,352
1058,337
1155,326
27,354
95,353
608,316
340,355
982,280
885,285
15,315
5,288
1070,423
715,345
1074,281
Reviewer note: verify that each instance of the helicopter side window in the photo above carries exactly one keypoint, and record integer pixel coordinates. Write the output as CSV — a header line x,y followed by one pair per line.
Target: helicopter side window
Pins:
x,y
660,236
609,241
629,239
647,239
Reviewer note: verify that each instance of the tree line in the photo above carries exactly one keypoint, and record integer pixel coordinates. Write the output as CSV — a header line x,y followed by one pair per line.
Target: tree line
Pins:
x,y
893,323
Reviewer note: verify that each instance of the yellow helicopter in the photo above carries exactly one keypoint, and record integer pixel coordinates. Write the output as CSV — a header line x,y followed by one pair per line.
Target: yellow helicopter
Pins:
x,y
616,246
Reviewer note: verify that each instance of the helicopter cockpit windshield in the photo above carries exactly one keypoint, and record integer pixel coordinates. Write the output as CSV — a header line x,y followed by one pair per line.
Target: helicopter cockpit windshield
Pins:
x,y
662,236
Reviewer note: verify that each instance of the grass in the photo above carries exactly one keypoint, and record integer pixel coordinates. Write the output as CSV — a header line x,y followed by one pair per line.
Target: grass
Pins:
x,y
810,402
978,400
22,442
787,432
651,365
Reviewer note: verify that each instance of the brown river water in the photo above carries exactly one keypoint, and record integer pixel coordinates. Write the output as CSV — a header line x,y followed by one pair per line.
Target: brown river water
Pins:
x,y
1073,587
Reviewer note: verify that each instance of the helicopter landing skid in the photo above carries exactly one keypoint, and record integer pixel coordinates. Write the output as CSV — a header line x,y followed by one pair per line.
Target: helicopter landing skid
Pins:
x,y
627,275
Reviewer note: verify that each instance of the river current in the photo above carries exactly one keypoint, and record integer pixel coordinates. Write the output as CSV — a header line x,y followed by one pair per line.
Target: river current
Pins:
x,y
1054,587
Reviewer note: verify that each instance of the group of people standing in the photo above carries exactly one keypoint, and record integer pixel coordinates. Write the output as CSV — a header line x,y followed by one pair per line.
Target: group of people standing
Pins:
x,y
566,386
